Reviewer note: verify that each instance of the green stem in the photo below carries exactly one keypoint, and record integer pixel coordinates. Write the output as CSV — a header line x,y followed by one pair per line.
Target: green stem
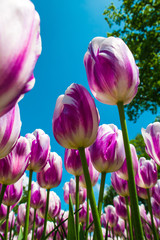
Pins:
x,y
129,220
100,199
106,236
112,233
34,223
77,207
131,182
28,206
2,192
46,214
126,229
7,219
90,193
87,218
152,220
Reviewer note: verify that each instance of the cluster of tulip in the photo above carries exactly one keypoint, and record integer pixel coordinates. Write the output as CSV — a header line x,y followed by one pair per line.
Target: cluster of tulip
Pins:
x,y
90,149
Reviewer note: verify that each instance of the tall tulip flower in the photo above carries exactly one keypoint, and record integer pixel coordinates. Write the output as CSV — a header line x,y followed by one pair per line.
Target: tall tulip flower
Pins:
x,y
151,136
10,126
111,70
19,50
38,196
75,119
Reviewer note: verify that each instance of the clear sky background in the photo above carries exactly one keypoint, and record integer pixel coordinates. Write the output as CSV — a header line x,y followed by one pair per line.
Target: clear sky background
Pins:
x,y
67,27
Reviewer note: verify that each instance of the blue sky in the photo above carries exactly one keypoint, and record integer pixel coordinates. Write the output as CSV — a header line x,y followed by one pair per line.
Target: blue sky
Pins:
x,y
67,27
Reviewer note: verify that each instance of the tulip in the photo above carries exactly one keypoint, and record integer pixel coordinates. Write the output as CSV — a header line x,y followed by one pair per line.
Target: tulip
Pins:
x,y
40,146
147,173
10,126
3,211
120,185
72,162
63,215
21,215
156,191
151,136
54,205
123,172
142,192
11,221
155,208
51,174
19,50
49,228
119,228
13,193
107,152
15,163
120,207
111,215
75,119
38,196
111,70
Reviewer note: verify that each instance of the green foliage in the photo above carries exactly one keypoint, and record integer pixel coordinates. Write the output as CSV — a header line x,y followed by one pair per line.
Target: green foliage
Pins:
x,y
139,144
71,224
138,24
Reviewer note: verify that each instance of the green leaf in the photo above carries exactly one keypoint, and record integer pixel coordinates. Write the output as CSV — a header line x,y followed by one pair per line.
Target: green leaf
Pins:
x,y
82,237
1,236
20,236
71,224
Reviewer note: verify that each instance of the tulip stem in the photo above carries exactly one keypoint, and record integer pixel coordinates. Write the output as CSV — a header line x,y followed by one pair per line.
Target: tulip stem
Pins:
x,y
90,194
87,218
131,182
100,199
7,218
34,223
152,220
46,215
2,192
106,235
77,206
28,206
129,220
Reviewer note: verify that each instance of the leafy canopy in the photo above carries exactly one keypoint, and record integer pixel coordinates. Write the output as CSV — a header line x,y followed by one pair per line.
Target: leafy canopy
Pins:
x,y
137,22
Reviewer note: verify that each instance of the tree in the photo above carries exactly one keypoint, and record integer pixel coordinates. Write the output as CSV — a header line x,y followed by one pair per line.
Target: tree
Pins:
x,y
137,22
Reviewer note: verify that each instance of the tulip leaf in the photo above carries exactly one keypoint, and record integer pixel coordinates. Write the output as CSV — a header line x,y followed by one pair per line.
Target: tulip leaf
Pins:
x,y
71,224
82,237
20,236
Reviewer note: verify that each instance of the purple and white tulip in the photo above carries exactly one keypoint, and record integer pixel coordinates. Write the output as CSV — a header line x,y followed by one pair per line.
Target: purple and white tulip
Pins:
x,y
111,70
15,163
142,192
147,173
54,205
120,185
19,50
51,175
156,191
111,216
13,193
11,221
40,146
107,152
3,211
38,196
72,162
120,207
151,136
21,215
155,208
10,126
123,172
75,119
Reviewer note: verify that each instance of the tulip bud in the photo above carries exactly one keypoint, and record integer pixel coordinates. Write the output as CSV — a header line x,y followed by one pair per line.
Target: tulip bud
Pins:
x,y
120,207
21,215
75,119
123,172
107,152
38,196
111,70
10,126
120,185
15,163
111,215
147,173
19,50
40,146
151,136
51,174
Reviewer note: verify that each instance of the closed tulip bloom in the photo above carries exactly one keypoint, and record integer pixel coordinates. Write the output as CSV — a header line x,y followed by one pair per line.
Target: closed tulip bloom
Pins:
x,y
21,215
119,228
123,172
147,173
120,207
11,221
63,215
19,50
142,192
120,185
111,70
13,166
111,215
156,191
83,212
75,119
13,193
38,196
151,136
10,126
107,152
72,162
51,175
54,205
40,146
3,211
155,208
39,221
49,227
